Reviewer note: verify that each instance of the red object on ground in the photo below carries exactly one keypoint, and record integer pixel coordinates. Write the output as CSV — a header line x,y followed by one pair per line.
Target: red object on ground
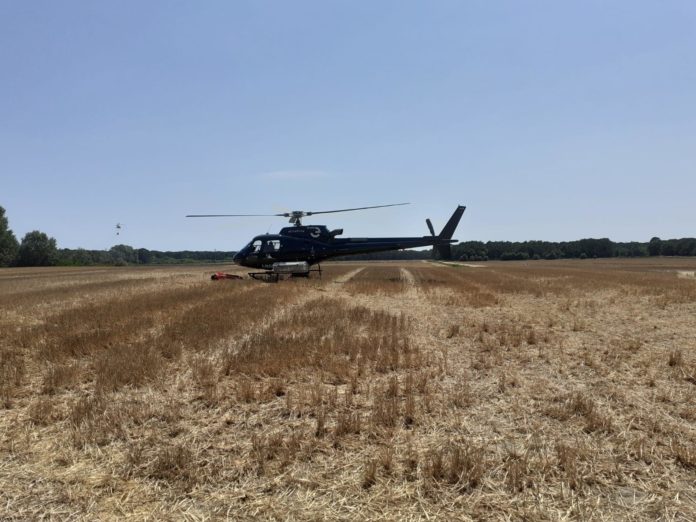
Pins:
x,y
221,275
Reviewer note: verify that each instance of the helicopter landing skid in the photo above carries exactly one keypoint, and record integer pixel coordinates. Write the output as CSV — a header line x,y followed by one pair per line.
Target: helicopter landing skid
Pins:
x,y
266,277
269,276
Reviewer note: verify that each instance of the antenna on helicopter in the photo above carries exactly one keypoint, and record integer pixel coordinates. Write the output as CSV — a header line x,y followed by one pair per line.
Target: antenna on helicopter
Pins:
x,y
295,216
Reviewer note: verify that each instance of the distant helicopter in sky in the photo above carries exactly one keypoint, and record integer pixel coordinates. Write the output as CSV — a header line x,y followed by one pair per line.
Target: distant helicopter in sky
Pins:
x,y
119,226
295,249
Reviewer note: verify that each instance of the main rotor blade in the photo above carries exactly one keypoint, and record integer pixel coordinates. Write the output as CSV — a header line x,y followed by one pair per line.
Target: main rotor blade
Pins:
x,y
358,208
234,215
296,213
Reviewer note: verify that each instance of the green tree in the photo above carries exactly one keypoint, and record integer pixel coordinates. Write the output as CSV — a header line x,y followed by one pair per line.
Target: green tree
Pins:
x,y
8,241
655,246
144,256
669,247
123,255
77,257
37,249
686,246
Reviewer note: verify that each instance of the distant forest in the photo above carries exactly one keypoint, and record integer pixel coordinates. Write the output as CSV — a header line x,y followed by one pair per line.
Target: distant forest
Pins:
x,y
121,255
522,250
37,249
580,249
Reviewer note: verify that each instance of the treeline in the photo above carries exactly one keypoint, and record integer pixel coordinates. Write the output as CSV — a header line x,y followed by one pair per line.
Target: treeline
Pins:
x,y
37,249
581,249
672,247
121,255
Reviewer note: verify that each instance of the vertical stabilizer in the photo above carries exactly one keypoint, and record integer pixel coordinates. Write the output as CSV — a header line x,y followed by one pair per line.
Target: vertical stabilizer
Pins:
x,y
443,250
451,225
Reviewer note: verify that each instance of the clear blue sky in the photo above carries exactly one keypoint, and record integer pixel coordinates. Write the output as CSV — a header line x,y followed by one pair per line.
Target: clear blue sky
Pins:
x,y
549,120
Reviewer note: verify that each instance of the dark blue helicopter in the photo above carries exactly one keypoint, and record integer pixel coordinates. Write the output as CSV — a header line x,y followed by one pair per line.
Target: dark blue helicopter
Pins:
x,y
296,249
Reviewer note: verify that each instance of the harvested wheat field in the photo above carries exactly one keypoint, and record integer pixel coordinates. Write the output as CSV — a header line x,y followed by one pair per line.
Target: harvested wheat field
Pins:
x,y
537,391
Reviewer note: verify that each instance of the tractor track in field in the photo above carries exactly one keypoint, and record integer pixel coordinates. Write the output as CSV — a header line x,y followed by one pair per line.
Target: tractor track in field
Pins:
x,y
302,296
407,276
347,277
427,319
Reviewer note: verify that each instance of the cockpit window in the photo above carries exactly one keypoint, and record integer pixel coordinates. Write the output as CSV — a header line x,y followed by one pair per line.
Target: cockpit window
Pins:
x,y
256,246
273,245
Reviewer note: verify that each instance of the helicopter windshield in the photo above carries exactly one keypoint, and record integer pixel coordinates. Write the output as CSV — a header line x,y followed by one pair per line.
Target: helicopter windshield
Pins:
x,y
258,245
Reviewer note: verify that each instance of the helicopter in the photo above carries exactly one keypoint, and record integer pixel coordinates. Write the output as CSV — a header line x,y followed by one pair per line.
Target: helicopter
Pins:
x,y
296,249
119,226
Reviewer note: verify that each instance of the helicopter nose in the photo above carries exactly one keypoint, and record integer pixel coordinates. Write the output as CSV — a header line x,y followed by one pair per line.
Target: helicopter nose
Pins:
x,y
237,258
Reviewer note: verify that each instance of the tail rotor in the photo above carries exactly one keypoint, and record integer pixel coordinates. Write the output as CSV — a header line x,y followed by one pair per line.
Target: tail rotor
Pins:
x,y
442,248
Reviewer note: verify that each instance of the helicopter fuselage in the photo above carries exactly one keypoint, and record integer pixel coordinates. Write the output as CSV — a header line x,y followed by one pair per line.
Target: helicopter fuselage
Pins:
x,y
315,243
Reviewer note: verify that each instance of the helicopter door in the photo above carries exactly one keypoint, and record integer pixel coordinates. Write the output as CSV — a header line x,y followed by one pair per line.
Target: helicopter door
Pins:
x,y
271,246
